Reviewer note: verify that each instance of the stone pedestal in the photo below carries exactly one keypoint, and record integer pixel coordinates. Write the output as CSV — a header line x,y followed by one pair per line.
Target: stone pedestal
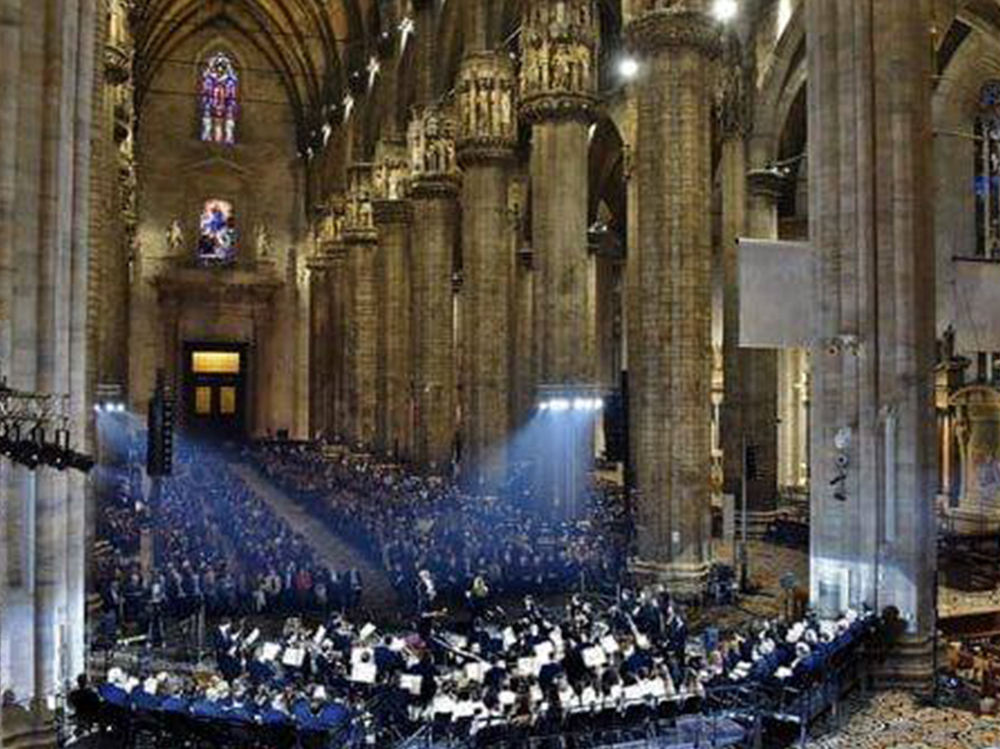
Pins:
x,y
486,140
873,471
977,432
670,355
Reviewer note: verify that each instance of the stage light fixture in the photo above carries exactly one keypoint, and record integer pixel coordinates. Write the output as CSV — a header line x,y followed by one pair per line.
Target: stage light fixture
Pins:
x,y
628,68
725,10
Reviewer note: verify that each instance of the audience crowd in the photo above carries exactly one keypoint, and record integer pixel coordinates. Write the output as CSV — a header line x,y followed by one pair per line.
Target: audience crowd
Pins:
x,y
408,523
540,672
206,543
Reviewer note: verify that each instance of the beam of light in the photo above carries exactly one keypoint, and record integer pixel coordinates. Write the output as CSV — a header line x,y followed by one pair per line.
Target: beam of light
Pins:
x,y
406,28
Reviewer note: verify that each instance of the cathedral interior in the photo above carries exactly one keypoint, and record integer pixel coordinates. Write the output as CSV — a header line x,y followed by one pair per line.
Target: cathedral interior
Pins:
x,y
513,373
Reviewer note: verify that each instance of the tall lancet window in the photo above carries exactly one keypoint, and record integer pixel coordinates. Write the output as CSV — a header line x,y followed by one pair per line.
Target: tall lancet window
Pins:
x,y
988,171
219,100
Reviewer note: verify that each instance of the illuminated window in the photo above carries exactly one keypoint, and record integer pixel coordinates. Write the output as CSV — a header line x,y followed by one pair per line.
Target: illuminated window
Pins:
x,y
203,401
227,401
987,182
215,362
219,100
217,238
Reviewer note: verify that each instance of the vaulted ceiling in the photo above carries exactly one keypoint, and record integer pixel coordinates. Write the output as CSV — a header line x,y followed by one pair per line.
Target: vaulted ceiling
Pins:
x,y
311,43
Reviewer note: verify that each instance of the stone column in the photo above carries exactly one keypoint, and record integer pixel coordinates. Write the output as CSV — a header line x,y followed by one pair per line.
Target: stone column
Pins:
x,y
360,240
557,97
394,220
46,86
433,190
338,283
486,141
873,439
558,81
750,411
319,324
671,354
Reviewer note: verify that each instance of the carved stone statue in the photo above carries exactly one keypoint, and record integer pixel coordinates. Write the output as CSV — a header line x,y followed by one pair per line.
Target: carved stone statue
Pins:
x,y
175,238
262,241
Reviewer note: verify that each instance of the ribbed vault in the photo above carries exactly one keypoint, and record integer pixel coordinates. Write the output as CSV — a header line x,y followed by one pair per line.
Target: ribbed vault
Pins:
x,y
311,43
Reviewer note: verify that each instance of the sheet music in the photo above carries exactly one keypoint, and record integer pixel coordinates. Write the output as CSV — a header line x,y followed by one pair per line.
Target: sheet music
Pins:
x,y
364,673
294,657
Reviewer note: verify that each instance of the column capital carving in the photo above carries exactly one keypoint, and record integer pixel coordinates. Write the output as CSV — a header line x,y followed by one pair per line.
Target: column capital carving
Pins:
x,y
766,183
731,100
358,218
331,216
558,53
678,25
391,171
486,104
431,144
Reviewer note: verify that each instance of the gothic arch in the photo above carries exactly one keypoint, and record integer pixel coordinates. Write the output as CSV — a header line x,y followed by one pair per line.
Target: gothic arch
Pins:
x,y
784,75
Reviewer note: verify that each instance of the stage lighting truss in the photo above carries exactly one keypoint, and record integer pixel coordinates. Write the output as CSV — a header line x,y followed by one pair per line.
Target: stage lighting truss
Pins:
x,y
35,431
559,400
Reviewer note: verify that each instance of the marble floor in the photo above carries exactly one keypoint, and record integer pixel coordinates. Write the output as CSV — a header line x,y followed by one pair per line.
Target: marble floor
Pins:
x,y
895,720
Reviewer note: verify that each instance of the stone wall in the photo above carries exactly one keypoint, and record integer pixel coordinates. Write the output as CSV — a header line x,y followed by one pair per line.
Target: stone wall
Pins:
x,y
264,180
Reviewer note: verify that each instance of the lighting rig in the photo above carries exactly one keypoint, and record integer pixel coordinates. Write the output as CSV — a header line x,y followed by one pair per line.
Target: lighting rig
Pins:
x,y
35,431
562,399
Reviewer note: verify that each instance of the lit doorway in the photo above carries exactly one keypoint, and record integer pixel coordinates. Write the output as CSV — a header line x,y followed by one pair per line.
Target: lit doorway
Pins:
x,y
215,389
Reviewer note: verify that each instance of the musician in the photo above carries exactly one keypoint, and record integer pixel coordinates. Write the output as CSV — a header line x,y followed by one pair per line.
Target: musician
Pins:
x,y
477,597
426,593
676,633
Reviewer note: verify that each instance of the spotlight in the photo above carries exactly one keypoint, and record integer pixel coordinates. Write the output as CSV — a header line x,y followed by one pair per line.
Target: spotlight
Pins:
x,y
725,10
98,409
26,451
559,404
599,404
543,406
581,404
79,461
628,68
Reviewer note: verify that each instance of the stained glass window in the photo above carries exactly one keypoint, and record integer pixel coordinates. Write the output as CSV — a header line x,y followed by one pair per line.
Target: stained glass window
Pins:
x,y
217,240
219,100
987,181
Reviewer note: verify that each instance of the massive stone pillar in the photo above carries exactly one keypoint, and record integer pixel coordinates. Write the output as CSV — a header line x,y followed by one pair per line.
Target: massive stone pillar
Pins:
x,y
339,285
360,241
559,78
329,348
319,329
670,357
749,427
393,221
46,75
873,440
433,190
486,141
